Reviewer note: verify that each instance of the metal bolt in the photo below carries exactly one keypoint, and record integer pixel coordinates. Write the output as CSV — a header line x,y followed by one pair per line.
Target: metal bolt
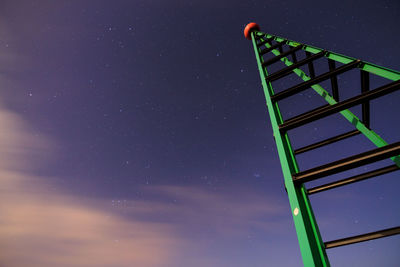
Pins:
x,y
296,211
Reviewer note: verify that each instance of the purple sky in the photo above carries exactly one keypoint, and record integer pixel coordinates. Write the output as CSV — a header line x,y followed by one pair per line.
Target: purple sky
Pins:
x,y
135,133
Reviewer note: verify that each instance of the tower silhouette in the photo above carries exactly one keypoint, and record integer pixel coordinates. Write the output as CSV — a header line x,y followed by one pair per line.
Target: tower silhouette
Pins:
x,y
312,247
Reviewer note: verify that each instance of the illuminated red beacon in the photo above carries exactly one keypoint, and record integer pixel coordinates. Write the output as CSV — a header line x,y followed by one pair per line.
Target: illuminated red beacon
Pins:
x,y
252,26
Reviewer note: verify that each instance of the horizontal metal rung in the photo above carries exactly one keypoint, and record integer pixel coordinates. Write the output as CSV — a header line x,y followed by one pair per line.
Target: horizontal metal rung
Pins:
x,y
305,85
265,41
332,109
277,58
362,238
283,72
327,141
353,179
348,163
267,50
310,111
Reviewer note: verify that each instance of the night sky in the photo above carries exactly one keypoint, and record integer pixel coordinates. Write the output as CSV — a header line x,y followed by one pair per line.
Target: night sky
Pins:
x,y
135,133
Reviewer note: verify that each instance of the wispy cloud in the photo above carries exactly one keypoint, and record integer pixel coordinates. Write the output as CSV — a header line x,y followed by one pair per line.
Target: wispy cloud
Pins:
x,y
220,212
42,225
39,226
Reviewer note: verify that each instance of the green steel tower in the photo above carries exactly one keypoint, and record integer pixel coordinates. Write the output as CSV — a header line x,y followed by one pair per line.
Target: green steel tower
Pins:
x,y
312,247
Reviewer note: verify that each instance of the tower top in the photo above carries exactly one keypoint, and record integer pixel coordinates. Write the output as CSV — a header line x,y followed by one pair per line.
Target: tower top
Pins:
x,y
252,26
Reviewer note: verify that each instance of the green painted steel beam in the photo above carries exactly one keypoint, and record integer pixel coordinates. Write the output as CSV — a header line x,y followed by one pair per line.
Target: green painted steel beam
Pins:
x,y
310,241
366,66
311,244
353,119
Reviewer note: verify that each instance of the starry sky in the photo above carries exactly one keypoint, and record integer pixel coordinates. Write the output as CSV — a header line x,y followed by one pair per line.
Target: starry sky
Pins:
x,y
135,133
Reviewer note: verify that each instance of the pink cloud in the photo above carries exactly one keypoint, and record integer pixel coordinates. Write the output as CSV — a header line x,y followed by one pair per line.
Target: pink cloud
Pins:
x,y
41,225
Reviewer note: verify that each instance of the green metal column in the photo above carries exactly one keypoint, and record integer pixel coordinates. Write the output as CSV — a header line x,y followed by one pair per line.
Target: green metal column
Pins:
x,y
311,245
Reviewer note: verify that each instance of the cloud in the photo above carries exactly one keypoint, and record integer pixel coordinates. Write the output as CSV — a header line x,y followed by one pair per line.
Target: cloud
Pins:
x,y
42,225
54,232
219,212
21,149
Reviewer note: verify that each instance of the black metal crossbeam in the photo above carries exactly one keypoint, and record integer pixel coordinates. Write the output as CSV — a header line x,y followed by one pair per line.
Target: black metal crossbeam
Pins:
x,y
311,112
353,179
329,110
334,82
259,36
305,85
265,41
277,58
326,141
267,50
365,105
347,163
286,71
311,66
362,238
294,58
280,49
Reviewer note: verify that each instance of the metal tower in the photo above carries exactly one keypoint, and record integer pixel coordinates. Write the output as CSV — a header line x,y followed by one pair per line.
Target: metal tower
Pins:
x,y
312,247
